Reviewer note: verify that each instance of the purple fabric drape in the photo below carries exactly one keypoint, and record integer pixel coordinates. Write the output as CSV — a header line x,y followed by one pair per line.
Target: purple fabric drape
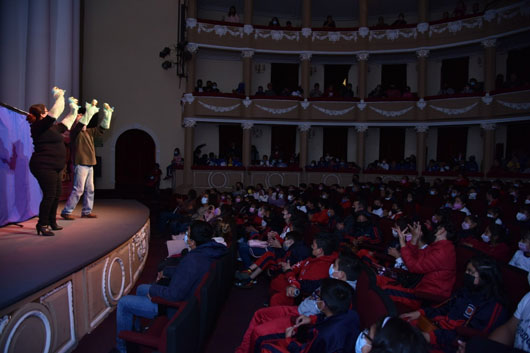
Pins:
x,y
20,193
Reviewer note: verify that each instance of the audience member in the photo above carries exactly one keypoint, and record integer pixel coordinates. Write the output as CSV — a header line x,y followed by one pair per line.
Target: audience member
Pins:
x,y
315,92
274,22
232,16
182,280
478,305
329,23
400,21
460,9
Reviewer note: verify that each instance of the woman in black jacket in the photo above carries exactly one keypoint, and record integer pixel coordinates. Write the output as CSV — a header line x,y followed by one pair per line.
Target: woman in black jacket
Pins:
x,y
49,157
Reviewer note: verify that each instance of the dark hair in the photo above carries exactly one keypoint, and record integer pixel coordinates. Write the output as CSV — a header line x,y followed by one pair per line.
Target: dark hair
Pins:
x,y
294,235
498,232
398,336
525,235
451,235
336,294
350,265
490,275
327,242
35,111
201,232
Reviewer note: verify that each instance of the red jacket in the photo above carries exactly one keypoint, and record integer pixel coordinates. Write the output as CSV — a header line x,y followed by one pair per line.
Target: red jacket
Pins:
x,y
306,274
320,217
437,263
500,251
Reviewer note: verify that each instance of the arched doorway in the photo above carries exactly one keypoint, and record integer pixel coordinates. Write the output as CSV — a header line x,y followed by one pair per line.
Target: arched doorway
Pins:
x,y
135,158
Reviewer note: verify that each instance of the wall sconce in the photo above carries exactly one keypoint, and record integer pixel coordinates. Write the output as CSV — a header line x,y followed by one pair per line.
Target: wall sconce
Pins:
x,y
259,68
312,70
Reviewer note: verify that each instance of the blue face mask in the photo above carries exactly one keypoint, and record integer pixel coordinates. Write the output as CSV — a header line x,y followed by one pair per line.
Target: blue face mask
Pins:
x,y
361,341
331,270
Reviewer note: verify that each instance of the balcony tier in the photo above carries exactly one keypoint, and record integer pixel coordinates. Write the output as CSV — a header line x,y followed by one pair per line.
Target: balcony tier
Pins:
x,y
492,24
436,110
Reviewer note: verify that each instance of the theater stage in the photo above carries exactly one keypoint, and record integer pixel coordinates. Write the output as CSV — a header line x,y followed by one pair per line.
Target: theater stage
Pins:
x,y
54,290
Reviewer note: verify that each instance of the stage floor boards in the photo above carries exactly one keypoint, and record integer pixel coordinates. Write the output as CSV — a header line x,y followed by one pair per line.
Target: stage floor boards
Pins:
x,y
29,262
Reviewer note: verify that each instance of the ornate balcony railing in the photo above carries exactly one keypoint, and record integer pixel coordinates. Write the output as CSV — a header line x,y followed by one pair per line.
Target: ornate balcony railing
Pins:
x,y
491,24
459,108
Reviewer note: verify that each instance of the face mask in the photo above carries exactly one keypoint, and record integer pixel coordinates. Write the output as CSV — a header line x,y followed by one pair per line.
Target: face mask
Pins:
x,y
527,202
361,341
204,200
331,270
490,215
434,220
280,196
498,221
387,198
290,197
472,195
432,192
378,212
251,210
325,196
457,206
408,237
523,247
263,223
485,238
453,194
520,216
260,213
469,281
465,226
395,233
316,306
217,212
238,200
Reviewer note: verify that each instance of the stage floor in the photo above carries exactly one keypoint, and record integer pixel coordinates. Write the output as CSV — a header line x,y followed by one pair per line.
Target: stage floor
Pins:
x,y
29,262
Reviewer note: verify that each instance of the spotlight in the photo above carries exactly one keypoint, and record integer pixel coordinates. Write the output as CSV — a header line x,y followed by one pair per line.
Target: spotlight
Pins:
x,y
165,52
166,65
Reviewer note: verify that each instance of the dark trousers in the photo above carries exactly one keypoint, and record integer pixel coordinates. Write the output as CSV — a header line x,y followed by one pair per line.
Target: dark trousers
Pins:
x,y
50,182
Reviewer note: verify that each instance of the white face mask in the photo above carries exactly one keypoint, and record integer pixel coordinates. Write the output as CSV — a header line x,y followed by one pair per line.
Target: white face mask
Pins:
x,y
290,197
395,233
263,223
485,238
432,192
472,195
465,225
520,216
408,237
378,212
362,341
204,200
527,202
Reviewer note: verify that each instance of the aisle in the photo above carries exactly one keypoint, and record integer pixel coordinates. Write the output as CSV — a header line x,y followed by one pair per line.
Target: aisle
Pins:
x,y
235,317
